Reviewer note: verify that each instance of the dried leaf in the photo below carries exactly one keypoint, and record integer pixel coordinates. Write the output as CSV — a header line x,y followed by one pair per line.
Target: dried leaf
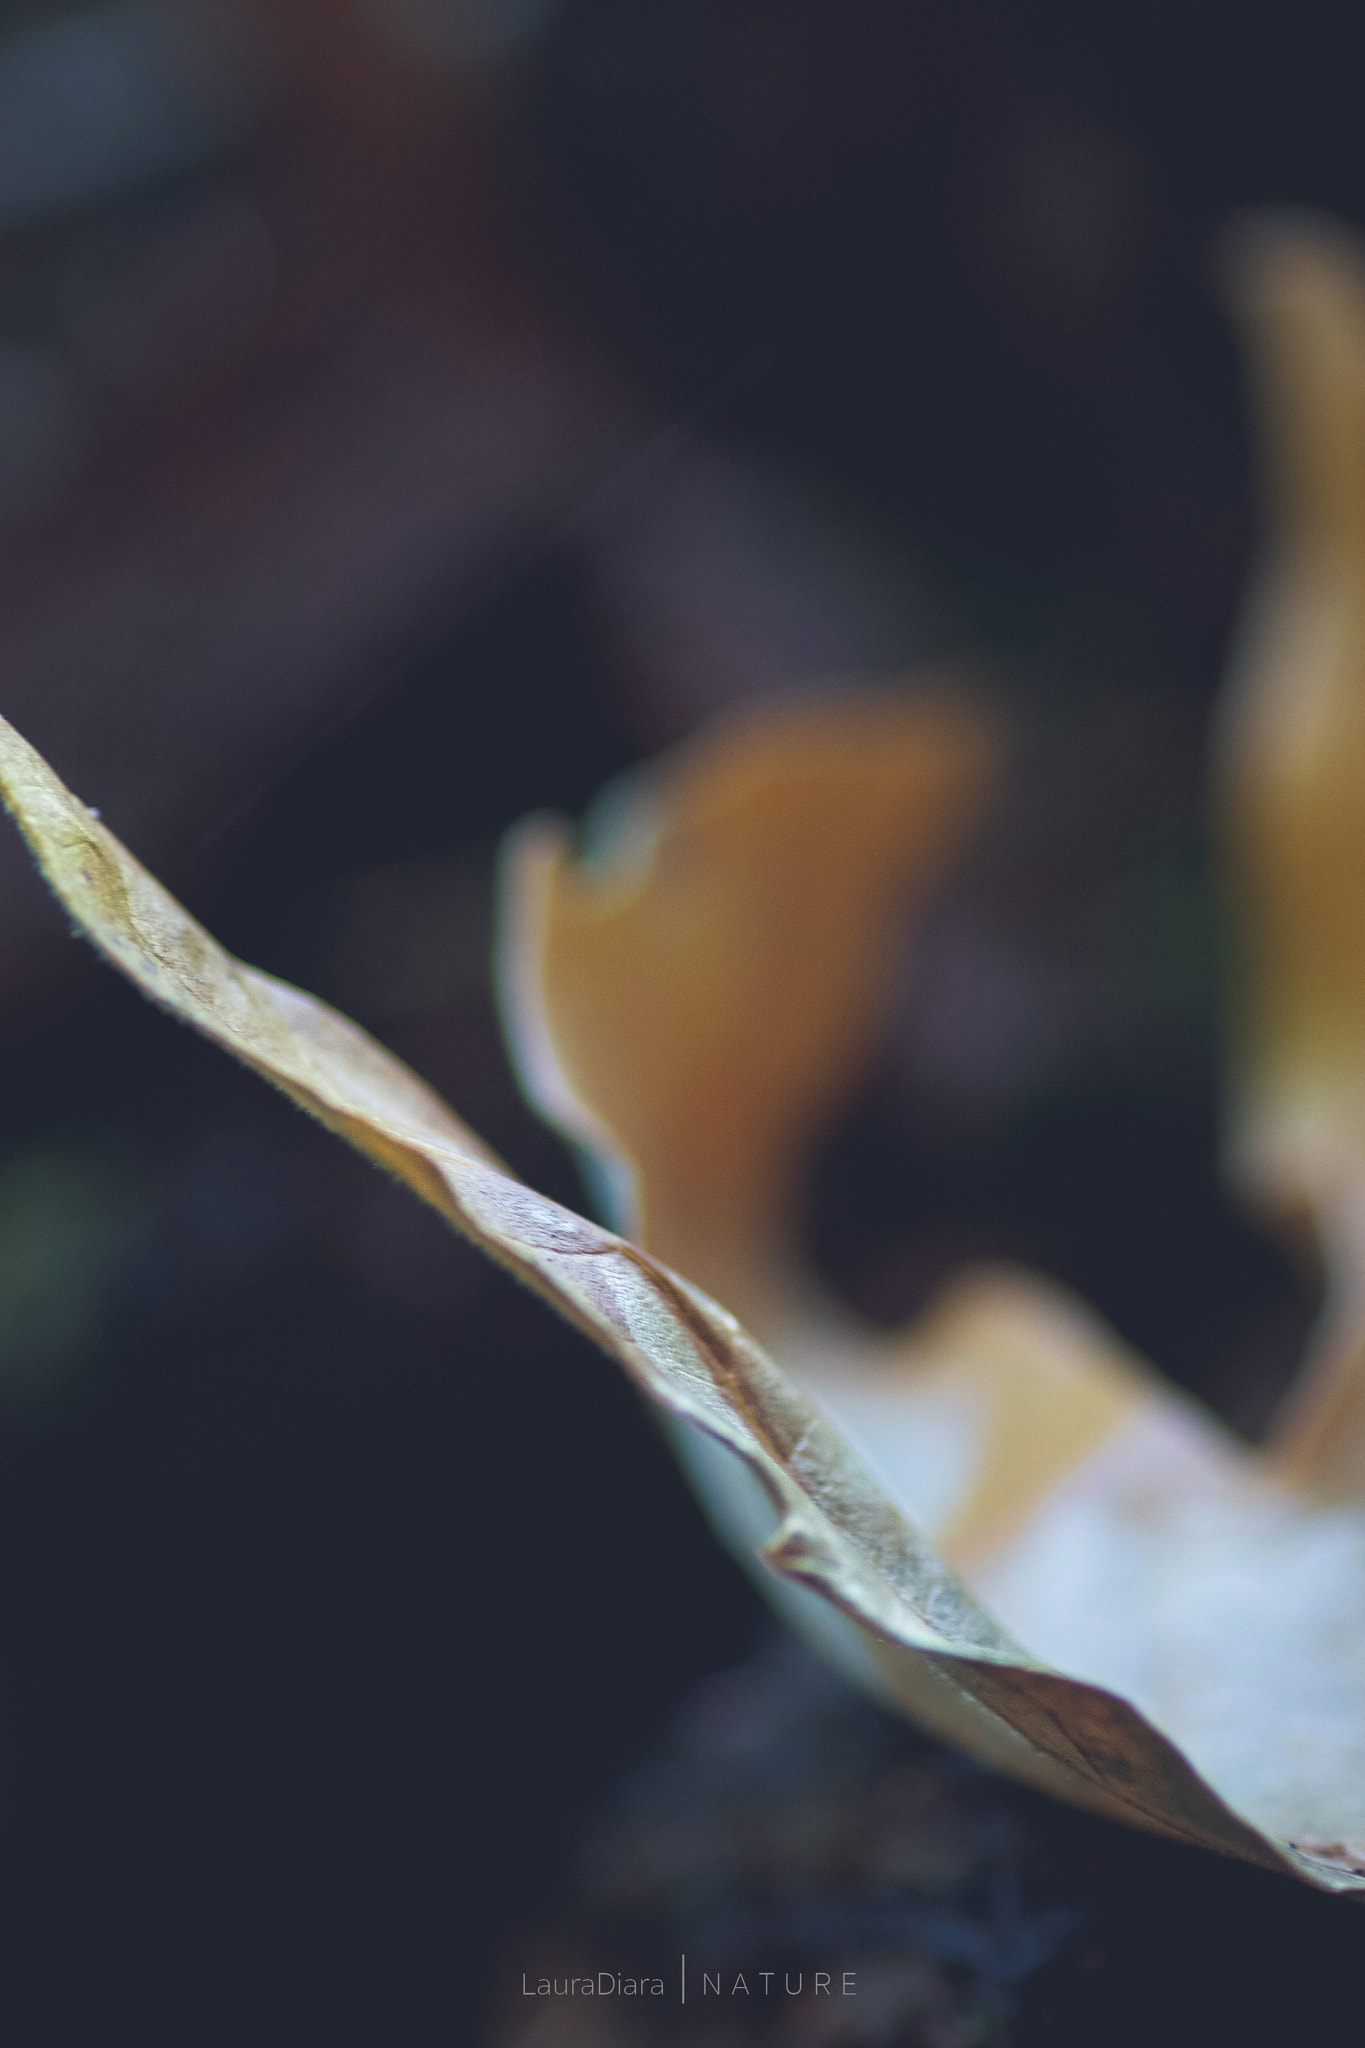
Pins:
x,y
693,1003
831,1532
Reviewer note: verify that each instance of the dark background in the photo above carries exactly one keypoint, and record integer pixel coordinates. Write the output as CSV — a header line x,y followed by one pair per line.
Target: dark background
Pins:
x,y
429,416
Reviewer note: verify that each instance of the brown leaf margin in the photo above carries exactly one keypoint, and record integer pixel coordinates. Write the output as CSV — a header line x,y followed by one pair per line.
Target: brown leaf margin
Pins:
x,y
929,1648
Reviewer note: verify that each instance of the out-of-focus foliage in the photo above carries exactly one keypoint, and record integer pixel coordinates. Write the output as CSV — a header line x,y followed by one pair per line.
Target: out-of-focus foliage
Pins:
x,y
68,1220
1293,772
427,410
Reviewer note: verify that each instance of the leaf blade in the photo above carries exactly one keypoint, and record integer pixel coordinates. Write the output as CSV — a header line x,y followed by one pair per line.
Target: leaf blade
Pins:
x,y
943,1659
